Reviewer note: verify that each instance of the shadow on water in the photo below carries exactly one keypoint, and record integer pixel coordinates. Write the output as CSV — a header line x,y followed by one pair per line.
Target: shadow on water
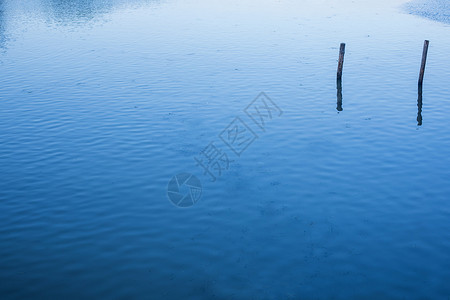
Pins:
x,y
339,95
419,106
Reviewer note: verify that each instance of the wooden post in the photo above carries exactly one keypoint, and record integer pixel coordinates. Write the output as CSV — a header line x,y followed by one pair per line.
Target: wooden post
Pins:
x,y
424,61
341,62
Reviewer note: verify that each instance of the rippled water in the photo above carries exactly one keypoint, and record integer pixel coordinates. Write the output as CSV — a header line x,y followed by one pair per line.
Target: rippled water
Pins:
x,y
103,102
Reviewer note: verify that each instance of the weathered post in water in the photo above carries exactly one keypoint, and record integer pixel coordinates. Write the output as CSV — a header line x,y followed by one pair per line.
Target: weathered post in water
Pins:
x,y
424,61
341,62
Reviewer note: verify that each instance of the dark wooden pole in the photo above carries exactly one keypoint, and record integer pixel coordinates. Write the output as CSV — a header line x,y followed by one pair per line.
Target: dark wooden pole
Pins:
x,y
341,62
424,61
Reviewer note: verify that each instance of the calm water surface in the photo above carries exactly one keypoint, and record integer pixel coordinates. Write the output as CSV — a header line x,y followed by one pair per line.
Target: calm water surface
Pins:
x,y
102,102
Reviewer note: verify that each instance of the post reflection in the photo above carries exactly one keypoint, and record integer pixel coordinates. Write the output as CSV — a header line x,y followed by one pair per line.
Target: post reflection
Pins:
x,y
339,95
419,106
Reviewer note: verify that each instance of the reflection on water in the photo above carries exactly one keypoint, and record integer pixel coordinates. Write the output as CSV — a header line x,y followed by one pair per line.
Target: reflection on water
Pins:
x,y
2,25
437,10
339,95
62,12
76,11
419,106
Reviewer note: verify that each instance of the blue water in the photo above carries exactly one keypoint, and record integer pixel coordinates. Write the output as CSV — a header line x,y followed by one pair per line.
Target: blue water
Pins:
x,y
103,102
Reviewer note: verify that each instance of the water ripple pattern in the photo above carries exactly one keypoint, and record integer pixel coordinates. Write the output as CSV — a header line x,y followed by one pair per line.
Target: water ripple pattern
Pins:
x,y
102,103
